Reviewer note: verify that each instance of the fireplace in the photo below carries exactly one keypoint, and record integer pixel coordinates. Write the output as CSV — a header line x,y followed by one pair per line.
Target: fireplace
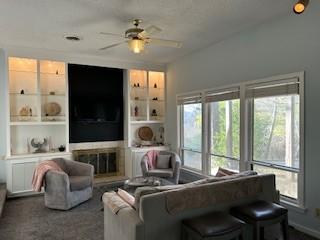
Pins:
x,y
106,161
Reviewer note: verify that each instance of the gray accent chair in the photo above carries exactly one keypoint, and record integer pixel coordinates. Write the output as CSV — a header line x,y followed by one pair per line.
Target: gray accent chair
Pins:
x,y
172,173
64,190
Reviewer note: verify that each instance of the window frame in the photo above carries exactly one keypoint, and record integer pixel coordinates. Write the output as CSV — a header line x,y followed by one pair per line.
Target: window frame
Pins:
x,y
246,132
219,91
248,139
181,147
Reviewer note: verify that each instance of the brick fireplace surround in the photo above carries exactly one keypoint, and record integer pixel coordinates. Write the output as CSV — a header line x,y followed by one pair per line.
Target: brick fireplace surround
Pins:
x,y
108,158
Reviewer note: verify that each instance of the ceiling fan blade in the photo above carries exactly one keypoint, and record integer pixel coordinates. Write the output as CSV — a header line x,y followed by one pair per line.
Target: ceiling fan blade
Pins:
x,y
165,43
151,30
112,34
111,46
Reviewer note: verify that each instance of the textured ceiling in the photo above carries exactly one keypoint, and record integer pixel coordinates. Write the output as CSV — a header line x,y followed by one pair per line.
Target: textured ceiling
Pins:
x,y
197,23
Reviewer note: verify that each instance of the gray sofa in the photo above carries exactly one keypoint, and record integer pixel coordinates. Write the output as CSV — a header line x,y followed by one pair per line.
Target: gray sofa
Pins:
x,y
159,214
172,173
64,190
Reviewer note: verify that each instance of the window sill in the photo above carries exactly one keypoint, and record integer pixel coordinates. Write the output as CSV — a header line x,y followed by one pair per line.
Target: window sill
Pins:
x,y
193,171
293,206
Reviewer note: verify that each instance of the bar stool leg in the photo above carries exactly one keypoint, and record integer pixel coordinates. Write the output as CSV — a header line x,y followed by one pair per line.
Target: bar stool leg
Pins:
x,y
284,226
184,234
256,231
261,233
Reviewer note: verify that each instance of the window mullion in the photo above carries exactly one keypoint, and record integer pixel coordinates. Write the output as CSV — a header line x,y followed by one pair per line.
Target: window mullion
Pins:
x,y
204,142
301,174
245,130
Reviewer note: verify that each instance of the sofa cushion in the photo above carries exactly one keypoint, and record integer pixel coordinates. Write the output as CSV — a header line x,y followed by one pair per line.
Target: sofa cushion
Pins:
x,y
142,191
229,177
204,195
162,173
224,172
114,202
126,196
79,182
163,161
196,183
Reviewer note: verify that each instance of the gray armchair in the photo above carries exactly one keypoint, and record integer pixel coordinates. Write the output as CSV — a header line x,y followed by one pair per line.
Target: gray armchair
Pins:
x,y
64,190
171,173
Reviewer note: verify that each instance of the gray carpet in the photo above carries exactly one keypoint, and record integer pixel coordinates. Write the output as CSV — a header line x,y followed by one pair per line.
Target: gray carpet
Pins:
x,y
28,219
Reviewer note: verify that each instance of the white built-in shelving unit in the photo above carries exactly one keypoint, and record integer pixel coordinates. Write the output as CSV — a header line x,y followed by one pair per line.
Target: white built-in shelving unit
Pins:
x,y
146,101
34,86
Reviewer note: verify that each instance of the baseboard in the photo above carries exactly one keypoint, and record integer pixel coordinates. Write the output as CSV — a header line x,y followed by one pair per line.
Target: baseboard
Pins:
x,y
309,231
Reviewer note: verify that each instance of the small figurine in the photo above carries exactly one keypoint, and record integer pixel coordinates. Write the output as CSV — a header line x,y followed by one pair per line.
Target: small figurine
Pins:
x,y
154,113
40,147
57,72
62,148
138,85
136,98
134,85
136,111
22,91
155,85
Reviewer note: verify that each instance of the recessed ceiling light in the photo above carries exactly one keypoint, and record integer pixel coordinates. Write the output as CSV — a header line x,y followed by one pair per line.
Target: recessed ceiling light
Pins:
x,y
300,6
73,38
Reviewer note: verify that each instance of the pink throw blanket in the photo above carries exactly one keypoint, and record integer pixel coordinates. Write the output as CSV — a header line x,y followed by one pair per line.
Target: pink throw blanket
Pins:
x,y
40,172
152,159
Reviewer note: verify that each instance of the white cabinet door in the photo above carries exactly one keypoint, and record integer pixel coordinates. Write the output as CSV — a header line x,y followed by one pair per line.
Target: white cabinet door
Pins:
x,y
18,177
28,174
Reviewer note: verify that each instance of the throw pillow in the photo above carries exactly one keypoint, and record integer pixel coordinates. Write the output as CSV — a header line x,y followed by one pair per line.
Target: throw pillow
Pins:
x,y
224,172
126,197
163,161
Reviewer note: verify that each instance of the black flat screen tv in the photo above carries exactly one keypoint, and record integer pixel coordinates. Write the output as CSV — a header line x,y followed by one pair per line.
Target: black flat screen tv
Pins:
x,y
95,103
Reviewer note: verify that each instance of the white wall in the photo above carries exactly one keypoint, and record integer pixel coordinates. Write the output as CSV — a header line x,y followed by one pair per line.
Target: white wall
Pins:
x,y
286,45
2,114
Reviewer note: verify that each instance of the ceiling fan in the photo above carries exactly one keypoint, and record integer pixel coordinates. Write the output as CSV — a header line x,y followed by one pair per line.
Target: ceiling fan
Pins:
x,y
137,38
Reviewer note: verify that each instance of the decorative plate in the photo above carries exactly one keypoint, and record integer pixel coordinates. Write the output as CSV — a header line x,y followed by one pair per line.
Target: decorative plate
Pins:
x,y
52,109
145,133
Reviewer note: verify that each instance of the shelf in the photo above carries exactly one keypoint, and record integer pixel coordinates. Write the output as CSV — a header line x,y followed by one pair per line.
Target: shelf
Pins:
x,y
138,100
25,94
21,71
37,123
144,88
52,74
53,95
53,119
23,119
30,155
159,88
148,122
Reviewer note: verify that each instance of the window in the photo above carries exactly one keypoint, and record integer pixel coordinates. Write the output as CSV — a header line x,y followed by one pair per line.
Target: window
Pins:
x,y
191,131
224,126
266,120
276,133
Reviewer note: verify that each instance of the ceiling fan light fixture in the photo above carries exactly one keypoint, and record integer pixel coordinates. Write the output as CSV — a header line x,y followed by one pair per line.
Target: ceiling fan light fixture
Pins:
x,y
136,45
300,6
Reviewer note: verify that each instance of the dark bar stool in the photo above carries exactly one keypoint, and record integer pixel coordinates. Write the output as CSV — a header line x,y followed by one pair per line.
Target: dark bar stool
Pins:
x,y
214,226
261,214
